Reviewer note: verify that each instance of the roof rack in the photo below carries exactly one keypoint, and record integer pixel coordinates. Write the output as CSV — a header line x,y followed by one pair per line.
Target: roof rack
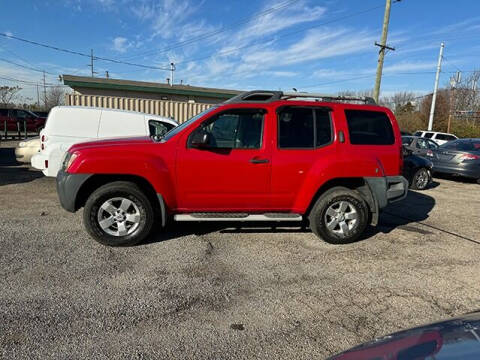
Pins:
x,y
266,96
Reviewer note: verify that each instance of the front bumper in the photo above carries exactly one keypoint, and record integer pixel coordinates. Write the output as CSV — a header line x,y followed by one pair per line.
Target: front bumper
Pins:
x,y
68,186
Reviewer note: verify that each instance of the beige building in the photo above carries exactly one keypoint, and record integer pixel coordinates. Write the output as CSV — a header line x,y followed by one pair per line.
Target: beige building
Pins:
x,y
84,85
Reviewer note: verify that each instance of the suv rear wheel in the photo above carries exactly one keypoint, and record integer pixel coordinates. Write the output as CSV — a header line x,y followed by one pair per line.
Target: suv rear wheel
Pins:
x,y
340,216
118,214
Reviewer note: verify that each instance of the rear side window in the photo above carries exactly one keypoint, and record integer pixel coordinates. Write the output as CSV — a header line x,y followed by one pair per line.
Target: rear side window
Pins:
x,y
304,128
445,137
407,140
369,128
428,135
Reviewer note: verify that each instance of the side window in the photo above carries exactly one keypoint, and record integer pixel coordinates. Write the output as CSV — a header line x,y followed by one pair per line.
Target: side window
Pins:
x,y
22,114
323,127
234,129
432,145
407,141
421,144
428,135
304,128
158,128
418,133
369,128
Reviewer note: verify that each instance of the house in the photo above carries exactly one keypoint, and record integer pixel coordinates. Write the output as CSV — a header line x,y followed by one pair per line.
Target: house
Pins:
x,y
84,85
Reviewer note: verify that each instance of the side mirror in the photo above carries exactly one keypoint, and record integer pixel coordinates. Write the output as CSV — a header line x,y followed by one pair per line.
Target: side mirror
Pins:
x,y
200,139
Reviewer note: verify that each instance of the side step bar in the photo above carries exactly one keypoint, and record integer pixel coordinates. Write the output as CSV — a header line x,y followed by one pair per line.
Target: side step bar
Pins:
x,y
238,217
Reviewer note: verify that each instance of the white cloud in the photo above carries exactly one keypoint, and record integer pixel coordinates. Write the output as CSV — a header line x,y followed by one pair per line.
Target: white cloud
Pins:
x,y
121,44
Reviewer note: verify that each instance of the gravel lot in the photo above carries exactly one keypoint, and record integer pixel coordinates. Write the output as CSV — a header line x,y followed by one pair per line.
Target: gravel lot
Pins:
x,y
219,292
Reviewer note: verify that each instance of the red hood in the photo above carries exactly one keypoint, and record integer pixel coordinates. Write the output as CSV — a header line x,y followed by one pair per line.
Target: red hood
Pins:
x,y
141,140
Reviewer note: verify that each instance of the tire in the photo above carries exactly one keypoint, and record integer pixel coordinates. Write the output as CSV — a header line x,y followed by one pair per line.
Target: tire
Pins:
x,y
339,201
128,215
421,179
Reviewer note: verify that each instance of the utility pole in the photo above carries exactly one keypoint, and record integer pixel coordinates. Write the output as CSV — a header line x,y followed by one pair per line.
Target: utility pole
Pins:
x,y
383,47
172,69
38,97
44,92
91,63
435,88
107,75
453,86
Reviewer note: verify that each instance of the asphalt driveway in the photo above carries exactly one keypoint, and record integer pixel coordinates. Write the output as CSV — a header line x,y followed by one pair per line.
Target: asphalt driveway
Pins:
x,y
217,291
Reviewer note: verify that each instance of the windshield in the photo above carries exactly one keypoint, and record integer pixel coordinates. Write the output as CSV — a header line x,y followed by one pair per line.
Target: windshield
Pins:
x,y
182,126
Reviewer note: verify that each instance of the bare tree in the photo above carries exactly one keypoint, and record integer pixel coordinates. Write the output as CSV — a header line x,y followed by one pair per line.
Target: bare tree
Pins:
x,y
8,94
55,97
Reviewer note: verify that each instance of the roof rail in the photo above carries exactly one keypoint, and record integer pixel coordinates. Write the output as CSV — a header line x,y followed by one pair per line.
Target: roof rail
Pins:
x,y
266,96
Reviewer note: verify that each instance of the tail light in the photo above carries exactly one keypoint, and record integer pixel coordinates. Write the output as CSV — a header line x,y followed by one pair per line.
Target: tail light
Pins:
x,y
468,157
43,146
43,138
429,153
46,164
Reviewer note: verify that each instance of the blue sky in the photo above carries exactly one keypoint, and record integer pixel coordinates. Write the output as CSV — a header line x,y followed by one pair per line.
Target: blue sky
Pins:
x,y
312,45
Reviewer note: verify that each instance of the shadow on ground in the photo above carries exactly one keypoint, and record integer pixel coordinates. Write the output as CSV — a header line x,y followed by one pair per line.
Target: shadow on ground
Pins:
x,y
13,172
404,214
457,178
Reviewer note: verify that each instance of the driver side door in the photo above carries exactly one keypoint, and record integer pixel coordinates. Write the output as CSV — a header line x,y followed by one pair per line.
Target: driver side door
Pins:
x,y
230,173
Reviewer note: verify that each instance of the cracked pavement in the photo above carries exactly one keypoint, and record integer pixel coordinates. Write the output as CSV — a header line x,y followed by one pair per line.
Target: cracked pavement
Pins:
x,y
211,291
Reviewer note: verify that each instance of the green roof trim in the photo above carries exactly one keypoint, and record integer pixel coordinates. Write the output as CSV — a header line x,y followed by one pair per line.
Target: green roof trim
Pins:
x,y
150,89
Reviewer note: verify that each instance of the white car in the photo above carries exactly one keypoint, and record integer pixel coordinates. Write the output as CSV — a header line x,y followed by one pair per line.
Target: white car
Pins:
x,y
68,125
439,137
26,149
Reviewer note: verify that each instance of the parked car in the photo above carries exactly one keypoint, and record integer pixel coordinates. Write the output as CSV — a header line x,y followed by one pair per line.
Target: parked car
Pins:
x,y
457,338
419,146
15,119
405,133
439,137
460,157
68,125
417,170
26,149
43,114
261,156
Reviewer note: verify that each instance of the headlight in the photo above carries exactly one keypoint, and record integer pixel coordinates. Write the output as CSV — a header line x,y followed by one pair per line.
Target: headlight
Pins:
x,y
22,144
68,159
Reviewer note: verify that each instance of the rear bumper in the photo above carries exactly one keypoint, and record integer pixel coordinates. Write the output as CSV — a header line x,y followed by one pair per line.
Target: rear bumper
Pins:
x,y
472,171
68,186
38,161
387,189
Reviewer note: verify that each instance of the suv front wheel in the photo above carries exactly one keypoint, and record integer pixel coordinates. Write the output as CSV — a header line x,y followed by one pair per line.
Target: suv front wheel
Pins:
x,y
339,216
118,214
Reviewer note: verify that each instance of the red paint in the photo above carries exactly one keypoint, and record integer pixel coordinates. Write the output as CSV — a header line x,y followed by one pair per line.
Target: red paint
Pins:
x,y
191,179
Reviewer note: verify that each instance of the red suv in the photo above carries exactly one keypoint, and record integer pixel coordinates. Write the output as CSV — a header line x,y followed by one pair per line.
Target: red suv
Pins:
x,y
261,156
16,119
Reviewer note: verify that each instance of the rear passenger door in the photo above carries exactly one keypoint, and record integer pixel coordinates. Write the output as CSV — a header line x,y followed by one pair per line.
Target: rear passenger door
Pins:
x,y
304,136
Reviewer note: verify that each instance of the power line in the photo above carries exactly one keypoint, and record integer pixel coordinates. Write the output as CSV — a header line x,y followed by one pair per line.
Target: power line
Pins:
x,y
215,32
30,82
283,35
72,52
25,67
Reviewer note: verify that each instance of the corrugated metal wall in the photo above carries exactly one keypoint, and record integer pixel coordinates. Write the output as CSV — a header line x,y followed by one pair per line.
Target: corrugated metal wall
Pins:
x,y
180,111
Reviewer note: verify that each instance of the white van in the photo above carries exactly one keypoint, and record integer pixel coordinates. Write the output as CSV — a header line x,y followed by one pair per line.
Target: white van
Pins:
x,y
439,137
68,125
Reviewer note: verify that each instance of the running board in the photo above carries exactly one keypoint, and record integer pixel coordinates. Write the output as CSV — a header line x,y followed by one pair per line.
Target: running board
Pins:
x,y
238,217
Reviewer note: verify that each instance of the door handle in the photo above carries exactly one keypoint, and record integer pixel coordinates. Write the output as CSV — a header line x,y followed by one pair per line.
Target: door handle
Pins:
x,y
256,160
